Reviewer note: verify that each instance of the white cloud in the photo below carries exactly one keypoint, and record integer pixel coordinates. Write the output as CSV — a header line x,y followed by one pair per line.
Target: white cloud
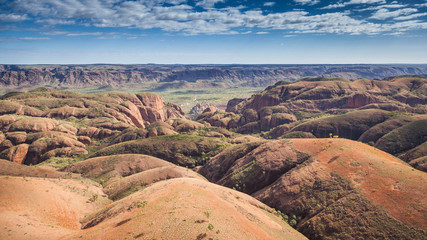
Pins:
x,y
12,17
56,21
34,38
385,13
261,33
392,6
365,1
184,19
351,2
411,16
208,3
269,4
76,34
308,2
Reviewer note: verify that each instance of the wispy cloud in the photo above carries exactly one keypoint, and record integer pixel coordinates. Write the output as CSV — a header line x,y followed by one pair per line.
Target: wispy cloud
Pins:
x,y
34,38
308,2
352,2
269,4
385,13
208,3
203,18
411,16
12,17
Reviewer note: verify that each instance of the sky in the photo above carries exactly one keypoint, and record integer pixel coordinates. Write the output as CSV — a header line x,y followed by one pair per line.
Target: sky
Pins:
x,y
213,31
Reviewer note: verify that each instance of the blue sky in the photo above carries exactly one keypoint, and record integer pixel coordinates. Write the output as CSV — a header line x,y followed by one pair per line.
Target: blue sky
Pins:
x,y
213,31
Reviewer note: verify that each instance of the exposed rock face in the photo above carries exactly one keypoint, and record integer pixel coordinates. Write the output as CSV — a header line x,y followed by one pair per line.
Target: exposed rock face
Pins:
x,y
286,102
199,108
359,100
69,120
16,137
64,152
85,140
324,94
15,154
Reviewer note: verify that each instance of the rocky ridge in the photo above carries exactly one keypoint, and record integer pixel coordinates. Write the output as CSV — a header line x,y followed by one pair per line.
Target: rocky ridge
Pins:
x,y
188,76
382,113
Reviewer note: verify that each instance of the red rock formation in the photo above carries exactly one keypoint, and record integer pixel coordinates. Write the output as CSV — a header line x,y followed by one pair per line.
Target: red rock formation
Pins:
x,y
16,154
84,139
17,137
358,100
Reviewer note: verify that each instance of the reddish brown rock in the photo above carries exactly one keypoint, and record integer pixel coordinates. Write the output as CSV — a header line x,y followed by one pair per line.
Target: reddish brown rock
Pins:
x,y
151,100
185,125
151,115
84,139
17,137
359,100
210,109
174,111
64,152
5,120
66,128
15,154
63,112
279,131
134,114
261,101
33,124
88,131
5,144
250,115
31,137
2,137
127,97
160,129
107,133
45,144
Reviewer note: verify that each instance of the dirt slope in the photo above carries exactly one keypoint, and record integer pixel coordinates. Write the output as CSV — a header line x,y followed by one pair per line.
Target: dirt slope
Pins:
x,y
331,188
187,209
37,208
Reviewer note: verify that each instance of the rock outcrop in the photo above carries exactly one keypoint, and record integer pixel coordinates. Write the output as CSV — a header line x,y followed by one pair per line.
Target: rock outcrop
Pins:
x,y
41,124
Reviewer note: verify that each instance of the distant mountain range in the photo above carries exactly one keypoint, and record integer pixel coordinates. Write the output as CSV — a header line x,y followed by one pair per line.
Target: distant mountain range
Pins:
x,y
154,76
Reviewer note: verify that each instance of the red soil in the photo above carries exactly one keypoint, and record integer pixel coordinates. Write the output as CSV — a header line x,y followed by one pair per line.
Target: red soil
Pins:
x,y
384,179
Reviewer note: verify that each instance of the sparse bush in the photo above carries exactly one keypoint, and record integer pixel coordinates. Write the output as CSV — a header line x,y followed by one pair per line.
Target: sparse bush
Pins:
x,y
210,226
93,198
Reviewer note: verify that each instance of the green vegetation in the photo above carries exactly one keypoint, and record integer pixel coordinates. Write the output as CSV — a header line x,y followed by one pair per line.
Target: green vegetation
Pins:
x,y
318,79
183,150
210,226
404,138
350,125
93,198
187,98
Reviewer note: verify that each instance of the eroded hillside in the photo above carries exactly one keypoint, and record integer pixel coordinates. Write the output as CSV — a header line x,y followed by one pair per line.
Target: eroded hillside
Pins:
x,y
324,158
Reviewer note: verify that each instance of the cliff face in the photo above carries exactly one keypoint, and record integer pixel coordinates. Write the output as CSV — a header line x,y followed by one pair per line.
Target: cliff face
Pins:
x,y
165,76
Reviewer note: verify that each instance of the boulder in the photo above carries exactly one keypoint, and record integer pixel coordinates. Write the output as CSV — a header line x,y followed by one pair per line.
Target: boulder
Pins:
x,y
33,124
15,154
17,137
66,128
64,152
6,120
84,139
